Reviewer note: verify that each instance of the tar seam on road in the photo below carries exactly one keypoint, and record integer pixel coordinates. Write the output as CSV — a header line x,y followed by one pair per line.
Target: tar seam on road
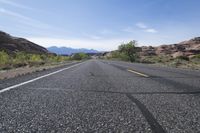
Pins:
x,y
155,126
35,79
146,93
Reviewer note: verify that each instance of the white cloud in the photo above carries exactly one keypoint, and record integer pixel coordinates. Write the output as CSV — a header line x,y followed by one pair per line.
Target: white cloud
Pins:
x,y
141,25
13,14
151,30
145,28
14,4
23,19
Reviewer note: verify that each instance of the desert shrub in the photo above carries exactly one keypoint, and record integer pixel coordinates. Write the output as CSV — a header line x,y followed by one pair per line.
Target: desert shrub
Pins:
x,y
183,58
80,56
20,57
156,59
83,56
195,59
76,56
115,54
62,58
58,58
119,56
35,58
4,58
150,59
197,56
44,57
124,57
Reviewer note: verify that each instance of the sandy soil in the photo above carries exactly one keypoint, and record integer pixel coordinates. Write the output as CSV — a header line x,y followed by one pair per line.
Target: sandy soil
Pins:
x,y
7,74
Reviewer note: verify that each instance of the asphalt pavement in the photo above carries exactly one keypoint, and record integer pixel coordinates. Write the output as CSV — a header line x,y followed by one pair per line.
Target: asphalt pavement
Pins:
x,y
102,96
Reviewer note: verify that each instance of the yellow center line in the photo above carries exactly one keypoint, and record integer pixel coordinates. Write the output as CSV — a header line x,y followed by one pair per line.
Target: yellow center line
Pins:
x,y
138,73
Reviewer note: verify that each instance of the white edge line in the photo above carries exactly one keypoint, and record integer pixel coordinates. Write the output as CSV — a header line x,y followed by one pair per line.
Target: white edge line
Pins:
x,y
35,79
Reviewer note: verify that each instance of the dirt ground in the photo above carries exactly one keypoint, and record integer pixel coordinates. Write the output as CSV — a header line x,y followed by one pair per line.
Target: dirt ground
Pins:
x,y
7,74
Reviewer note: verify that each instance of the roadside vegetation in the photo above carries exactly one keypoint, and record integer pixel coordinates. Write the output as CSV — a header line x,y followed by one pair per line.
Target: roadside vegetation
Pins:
x,y
129,52
125,52
180,62
80,56
22,59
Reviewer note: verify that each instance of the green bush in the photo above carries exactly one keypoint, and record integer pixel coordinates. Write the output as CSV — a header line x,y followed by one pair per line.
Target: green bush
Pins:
x,y
124,57
20,57
83,56
62,58
76,57
183,58
58,58
35,58
80,56
115,54
128,50
4,58
197,56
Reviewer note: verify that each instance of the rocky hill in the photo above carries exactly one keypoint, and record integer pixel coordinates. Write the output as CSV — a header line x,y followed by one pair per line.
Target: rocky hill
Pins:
x,y
186,48
12,44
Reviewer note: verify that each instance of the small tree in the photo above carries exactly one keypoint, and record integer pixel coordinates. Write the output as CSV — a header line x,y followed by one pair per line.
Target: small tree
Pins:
x,y
129,49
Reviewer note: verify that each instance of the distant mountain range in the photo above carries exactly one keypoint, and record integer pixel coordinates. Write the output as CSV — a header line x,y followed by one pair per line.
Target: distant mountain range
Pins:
x,y
69,51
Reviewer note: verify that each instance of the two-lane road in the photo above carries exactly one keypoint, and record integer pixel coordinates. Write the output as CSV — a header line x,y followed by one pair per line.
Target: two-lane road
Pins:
x,y
102,96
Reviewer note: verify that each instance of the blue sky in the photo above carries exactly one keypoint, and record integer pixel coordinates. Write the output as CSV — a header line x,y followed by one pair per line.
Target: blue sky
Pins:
x,y
101,24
